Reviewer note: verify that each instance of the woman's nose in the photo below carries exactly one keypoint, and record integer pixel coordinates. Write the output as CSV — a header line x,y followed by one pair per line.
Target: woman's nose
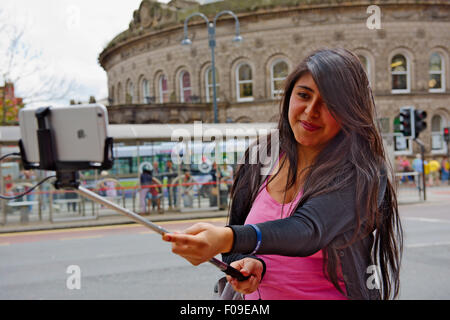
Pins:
x,y
313,108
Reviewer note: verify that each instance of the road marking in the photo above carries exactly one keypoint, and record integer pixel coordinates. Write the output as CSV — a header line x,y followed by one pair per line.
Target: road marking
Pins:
x,y
82,237
426,220
193,220
108,227
431,244
17,234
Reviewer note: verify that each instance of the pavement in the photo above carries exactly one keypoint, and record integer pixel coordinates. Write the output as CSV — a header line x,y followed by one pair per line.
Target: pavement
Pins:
x,y
434,194
105,220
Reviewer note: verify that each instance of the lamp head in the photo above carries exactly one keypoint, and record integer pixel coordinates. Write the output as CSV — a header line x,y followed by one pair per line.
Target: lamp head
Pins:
x,y
237,38
186,42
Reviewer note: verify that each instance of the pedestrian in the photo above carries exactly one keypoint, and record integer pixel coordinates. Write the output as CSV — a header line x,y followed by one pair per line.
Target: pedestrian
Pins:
x,y
215,186
155,168
417,167
171,174
187,189
445,168
433,175
399,164
324,224
406,165
29,176
154,197
146,180
225,177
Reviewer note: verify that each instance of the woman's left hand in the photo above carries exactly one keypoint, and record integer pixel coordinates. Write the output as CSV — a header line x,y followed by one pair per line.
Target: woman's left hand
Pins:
x,y
248,267
200,242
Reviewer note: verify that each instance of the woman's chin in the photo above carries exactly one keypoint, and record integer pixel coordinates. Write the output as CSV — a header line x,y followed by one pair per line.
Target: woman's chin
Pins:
x,y
302,140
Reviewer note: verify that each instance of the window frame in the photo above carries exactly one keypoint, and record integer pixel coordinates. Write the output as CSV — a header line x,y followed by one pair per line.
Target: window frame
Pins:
x,y
440,134
161,91
238,83
209,98
368,67
442,73
407,73
119,93
145,87
129,92
272,79
182,88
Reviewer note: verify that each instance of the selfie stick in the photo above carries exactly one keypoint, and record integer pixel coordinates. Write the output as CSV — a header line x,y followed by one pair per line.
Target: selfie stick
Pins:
x,y
67,178
158,229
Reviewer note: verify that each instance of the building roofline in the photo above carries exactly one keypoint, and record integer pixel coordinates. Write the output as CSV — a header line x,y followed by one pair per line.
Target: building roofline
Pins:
x,y
278,6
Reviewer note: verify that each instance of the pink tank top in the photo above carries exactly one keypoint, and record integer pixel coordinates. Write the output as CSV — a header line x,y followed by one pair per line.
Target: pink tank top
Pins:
x,y
289,278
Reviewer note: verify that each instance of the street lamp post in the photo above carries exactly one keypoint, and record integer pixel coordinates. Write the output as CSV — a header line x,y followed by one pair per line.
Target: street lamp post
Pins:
x,y
212,44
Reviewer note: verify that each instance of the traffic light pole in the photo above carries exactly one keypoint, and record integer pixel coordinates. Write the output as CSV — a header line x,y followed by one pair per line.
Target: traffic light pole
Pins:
x,y
422,152
411,122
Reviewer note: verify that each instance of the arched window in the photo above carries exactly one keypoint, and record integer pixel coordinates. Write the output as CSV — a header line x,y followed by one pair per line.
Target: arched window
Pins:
x,y
437,131
278,74
366,64
111,96
163,90
400,74
145,91
119,93
185,87
209,85
244,83
436,82
130,92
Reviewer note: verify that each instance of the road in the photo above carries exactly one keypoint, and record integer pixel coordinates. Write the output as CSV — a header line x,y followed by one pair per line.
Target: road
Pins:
x,y
425,272
115,262
131,262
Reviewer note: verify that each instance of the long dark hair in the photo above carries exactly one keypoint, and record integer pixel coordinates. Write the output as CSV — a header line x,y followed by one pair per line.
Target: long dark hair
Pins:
x,y
355,154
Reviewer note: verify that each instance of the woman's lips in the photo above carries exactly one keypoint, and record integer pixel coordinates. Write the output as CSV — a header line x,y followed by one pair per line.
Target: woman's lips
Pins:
x,y
309,126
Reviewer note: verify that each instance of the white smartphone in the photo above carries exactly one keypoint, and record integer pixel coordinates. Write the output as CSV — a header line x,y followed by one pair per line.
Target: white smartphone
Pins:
x,y
79,131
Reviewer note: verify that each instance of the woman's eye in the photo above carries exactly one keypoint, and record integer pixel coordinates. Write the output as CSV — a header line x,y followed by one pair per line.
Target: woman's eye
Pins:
x,y
303,95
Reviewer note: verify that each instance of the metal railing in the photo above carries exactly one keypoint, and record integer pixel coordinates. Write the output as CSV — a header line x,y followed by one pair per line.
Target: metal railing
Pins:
x,y
409,187
181,195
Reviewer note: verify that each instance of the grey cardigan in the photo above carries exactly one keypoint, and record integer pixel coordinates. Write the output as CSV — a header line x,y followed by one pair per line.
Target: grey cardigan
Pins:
x,y
324,220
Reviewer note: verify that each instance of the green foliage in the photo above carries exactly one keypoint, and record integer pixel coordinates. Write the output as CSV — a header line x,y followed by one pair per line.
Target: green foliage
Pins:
x,y
12,112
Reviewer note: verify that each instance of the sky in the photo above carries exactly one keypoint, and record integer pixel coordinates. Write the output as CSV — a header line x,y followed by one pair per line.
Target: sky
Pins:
x,y
67,36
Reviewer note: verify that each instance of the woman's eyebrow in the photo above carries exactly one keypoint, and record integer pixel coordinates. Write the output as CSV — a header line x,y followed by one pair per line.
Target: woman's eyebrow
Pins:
x,y
306,88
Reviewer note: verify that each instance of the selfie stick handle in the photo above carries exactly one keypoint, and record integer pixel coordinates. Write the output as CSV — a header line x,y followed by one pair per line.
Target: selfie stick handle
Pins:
x,y
158,229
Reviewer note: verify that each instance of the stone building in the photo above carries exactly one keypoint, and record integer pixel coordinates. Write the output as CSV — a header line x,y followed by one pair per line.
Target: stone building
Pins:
x,y
152,78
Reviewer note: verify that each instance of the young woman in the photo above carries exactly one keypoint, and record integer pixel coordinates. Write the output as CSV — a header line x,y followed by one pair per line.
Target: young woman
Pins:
x,y
324,223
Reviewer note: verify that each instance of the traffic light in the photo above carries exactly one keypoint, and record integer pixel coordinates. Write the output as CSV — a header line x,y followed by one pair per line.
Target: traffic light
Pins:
x,y
446,134
419,122
406,121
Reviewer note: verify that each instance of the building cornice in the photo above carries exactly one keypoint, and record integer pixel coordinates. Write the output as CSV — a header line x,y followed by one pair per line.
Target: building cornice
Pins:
x,y
274,8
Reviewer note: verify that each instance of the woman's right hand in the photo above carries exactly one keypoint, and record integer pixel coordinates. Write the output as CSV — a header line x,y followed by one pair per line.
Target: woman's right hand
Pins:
x,y
247,266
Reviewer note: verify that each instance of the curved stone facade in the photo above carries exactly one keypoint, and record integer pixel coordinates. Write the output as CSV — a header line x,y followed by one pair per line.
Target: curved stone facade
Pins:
x,y
275,38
